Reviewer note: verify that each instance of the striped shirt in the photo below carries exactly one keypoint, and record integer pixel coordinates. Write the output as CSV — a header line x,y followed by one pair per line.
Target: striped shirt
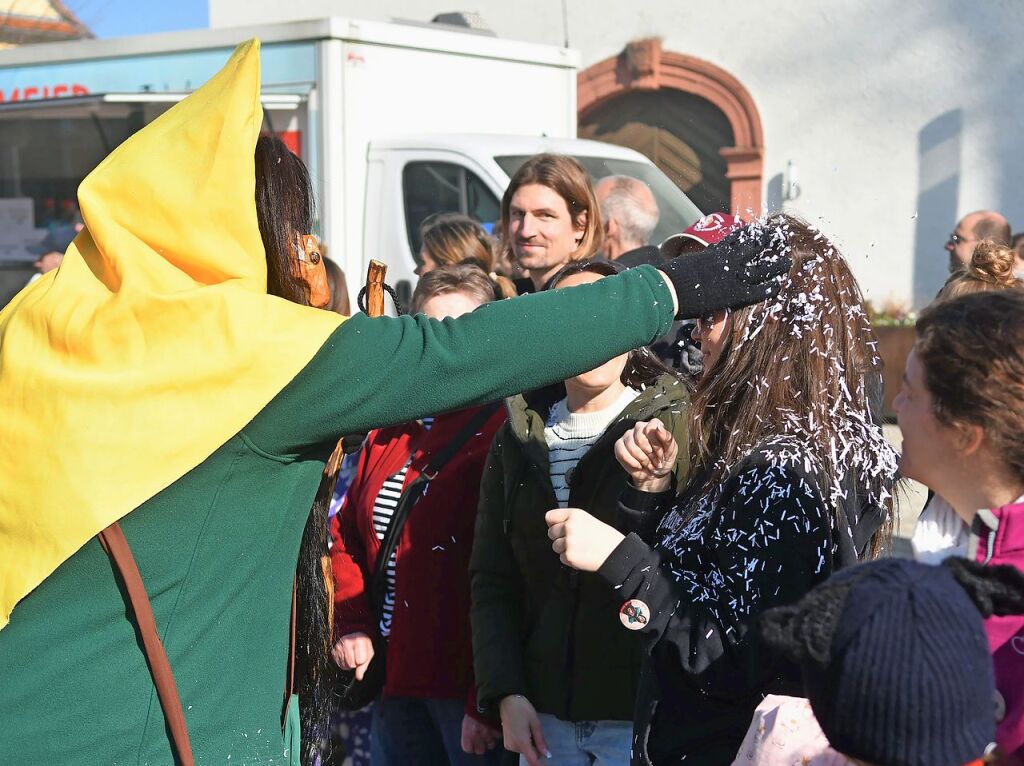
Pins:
x,y
570,434
383,510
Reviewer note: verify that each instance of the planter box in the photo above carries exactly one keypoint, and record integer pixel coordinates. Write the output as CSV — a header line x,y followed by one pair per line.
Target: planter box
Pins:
x,y
894,345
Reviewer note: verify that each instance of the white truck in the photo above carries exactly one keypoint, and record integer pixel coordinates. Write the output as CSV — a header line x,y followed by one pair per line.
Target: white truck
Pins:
x,y
396,121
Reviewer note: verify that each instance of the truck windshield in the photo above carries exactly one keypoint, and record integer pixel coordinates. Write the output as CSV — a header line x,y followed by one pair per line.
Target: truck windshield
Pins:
x,y
677,212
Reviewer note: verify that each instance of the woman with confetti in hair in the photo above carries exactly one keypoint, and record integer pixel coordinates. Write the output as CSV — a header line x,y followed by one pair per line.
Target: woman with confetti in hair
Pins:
x,y
792,480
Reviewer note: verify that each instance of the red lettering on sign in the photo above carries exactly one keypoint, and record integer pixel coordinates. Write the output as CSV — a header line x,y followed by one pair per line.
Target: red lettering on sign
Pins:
x,y
34,91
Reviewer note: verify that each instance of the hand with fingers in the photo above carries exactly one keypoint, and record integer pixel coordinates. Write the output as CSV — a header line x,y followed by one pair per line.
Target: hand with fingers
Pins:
x,y
353,651
749,266
647,453
478,737
521,730
581,541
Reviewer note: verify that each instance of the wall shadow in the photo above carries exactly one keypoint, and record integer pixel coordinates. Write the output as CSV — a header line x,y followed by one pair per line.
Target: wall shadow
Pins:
x,y
938,198
773,194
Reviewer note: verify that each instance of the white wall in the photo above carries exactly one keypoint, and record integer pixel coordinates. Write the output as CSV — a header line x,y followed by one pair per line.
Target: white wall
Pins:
x,y
901,115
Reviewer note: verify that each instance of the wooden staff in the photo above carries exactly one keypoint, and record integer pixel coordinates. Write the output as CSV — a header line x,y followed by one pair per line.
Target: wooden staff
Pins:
x,y
375,308
375,288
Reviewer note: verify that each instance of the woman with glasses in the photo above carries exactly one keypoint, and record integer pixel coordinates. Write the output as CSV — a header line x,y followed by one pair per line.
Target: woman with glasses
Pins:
x,y
791,480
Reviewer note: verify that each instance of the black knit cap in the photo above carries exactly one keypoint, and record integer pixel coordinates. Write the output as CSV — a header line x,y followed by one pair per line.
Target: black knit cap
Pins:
x,y
906,677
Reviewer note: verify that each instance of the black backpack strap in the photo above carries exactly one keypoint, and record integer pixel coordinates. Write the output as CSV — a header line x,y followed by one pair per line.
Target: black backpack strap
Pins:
x,y
410,495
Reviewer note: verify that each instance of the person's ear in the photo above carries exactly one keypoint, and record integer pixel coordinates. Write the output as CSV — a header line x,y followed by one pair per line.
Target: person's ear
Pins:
x,y
580,226
970,438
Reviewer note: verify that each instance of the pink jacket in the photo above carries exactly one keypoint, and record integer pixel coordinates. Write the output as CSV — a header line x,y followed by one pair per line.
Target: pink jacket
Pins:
x,y
997,537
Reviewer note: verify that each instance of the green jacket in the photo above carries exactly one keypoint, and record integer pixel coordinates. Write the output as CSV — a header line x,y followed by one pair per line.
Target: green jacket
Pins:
x,y
218,547
539,628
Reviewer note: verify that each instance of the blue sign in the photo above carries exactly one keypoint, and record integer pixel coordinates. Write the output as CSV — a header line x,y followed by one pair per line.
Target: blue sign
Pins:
x,y
286,67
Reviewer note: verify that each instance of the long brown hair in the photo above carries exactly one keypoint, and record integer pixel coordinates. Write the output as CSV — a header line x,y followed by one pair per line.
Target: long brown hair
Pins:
x,y
971,351
284,209
453,238
567,178
798,366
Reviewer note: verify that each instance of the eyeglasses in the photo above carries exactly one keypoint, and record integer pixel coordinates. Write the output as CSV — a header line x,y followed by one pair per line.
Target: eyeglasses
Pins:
x,y
956,239
704,323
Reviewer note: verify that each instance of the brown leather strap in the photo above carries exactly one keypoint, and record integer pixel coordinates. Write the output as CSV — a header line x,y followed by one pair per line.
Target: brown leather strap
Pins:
x,y
116,545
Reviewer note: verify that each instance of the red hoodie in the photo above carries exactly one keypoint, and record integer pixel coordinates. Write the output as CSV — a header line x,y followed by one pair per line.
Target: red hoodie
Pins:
x,y
430,651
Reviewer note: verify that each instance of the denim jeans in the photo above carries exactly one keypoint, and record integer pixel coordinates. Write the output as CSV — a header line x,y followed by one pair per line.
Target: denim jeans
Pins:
x,y
422,732
586,743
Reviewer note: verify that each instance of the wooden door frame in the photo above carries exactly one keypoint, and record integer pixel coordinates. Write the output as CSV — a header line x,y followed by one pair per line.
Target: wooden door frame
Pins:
x,y
644,65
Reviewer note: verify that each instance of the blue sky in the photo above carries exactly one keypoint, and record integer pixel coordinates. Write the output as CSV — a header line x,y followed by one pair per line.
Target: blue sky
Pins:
x,y
117,18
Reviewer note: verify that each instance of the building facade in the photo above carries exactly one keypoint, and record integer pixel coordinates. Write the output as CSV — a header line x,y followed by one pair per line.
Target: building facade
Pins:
x,y
881,121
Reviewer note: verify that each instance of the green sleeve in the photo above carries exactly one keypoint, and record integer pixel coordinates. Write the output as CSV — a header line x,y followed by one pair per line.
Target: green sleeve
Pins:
x,y
377,372
496,592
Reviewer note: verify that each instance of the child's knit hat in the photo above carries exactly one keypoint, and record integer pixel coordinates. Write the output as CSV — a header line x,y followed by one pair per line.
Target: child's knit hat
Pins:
x,y
895,663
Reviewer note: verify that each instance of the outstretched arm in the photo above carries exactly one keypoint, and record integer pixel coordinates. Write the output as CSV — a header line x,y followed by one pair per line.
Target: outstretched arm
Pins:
x,y
376,372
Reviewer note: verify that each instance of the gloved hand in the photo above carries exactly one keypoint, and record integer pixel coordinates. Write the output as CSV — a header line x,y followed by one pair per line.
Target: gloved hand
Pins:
x,y
746,267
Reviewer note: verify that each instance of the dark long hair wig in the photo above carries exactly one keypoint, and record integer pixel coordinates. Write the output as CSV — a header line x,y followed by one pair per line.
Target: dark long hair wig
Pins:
x,y
285,209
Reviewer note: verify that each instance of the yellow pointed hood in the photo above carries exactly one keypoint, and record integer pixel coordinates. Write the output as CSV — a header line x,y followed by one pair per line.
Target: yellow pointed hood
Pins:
x,y
154,342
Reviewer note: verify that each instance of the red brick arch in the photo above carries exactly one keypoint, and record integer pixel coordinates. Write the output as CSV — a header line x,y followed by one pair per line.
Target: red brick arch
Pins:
x,y
643,65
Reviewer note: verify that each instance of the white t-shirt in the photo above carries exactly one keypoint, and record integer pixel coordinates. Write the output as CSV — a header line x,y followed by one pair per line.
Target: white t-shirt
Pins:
x,y
570,434
940,533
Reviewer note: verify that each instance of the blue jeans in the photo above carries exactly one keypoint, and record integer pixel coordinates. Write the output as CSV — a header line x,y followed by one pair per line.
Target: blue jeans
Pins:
x,y
422,732
586,743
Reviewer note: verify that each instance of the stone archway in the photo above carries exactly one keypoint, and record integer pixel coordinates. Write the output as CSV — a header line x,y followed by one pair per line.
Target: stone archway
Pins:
x,y
643,65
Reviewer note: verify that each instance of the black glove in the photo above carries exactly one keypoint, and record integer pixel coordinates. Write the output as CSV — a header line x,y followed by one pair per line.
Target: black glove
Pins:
x,y
743,269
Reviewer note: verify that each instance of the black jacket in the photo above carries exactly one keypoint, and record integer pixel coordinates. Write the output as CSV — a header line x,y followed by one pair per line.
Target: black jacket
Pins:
x,y
676,348
539,628
720,561
641,255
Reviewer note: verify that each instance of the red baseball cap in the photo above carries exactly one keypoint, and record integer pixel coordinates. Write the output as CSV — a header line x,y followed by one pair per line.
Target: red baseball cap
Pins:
x,y
706,231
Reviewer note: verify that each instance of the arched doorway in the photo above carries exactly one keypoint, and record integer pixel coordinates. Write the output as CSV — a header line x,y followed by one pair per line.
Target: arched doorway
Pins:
x,y
692,118
680,133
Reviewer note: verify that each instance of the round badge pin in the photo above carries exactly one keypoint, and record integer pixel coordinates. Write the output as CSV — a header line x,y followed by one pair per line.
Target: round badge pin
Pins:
x,y
634,614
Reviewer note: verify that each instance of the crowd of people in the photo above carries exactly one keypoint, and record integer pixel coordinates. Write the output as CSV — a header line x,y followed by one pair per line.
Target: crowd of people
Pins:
x,y
608,502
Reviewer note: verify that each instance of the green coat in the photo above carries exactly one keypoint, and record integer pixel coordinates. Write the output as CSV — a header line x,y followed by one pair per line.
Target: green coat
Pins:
x,y
217,549
539,628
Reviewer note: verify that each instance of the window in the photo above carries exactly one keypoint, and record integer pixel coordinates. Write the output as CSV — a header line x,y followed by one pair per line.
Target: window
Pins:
x,y
443,187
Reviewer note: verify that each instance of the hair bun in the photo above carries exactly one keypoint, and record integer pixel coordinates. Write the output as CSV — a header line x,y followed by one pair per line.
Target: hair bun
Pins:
x,y
993,263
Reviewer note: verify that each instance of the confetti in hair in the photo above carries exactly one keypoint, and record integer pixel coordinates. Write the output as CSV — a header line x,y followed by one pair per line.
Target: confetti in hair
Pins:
x,y
795,383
